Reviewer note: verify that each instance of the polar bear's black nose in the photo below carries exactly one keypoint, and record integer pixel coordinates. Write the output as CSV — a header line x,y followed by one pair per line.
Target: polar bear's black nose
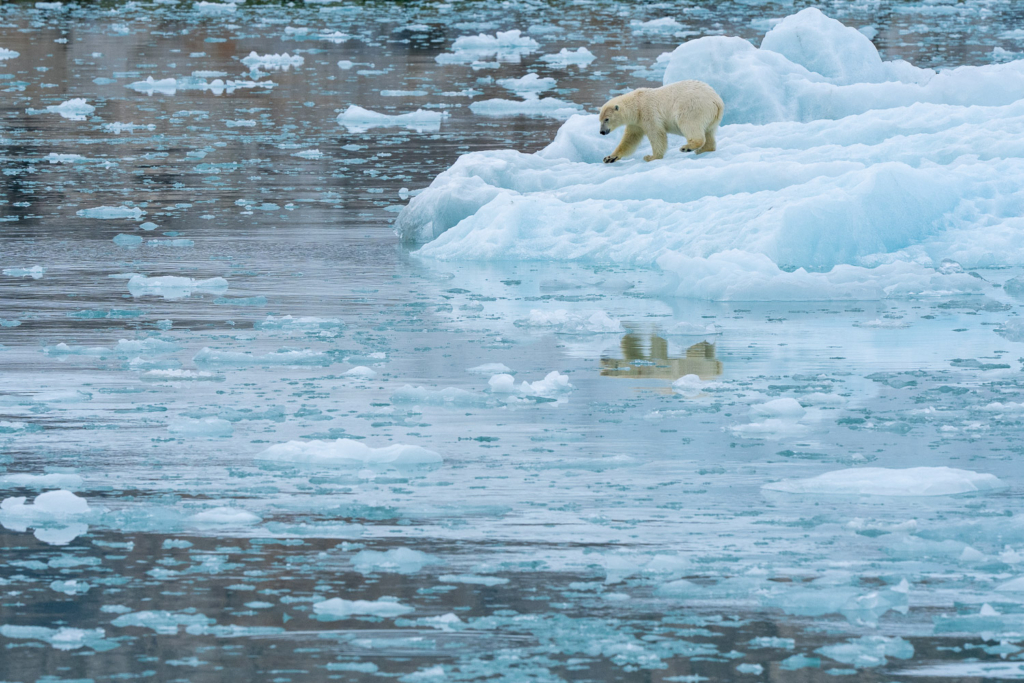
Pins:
x,y
604,132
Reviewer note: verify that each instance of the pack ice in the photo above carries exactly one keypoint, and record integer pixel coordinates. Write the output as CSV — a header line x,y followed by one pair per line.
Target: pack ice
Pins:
x,y
837,176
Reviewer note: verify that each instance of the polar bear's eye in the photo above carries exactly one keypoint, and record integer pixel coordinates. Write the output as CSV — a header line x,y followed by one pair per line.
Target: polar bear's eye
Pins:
x,y
616,107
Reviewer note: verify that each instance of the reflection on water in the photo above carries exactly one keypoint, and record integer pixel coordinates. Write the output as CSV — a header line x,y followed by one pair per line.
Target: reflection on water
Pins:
x,y
647,357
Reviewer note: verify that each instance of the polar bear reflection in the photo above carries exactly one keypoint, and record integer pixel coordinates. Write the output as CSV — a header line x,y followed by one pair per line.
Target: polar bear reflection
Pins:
x,y
649,359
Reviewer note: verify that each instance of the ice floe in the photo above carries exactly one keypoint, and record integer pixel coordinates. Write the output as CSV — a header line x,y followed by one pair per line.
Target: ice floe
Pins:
x,y
349,453
805,206
358,120
880,481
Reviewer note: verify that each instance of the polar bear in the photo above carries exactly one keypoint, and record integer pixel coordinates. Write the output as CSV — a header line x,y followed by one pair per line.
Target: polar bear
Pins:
x,y
689,108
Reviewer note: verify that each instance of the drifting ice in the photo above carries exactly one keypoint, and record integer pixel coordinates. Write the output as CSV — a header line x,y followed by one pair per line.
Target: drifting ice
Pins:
x,y
879,481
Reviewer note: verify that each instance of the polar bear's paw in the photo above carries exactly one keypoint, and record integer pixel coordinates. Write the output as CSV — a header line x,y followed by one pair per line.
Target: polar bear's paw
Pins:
x,y
611,159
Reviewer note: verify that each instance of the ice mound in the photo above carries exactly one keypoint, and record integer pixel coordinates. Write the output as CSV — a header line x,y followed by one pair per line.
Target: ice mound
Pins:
x,y
504,46
812,67
798,207
74,110
880,481
272,62
359,120
337,608
174,286
350,453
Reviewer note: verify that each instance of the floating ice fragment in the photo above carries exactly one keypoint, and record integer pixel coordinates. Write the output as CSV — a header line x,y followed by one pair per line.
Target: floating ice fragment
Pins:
x,y
580,57
360,372
309,154
41,481
208,357
562,321
162,621
63,638
111,212
124,240
689,386
490,368
472,579
173,286
165,86
504,46
118,127
205,7
349,453
272,62
35,272
74,109
868,651
396,561
204,427
55,158
662,25
879,481
54,515
502,383
546,106
337,608
553,384
530,84
7,54
359,120
225,516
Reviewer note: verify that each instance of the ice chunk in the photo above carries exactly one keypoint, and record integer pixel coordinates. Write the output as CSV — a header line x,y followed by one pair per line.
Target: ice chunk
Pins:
x,y
360,372
337,608
554,384
203,427
55,158
54,515
35,272
360,120
225,516
550,107
812,67
208,357
162,621
562,321
111,212
880,481
868,651
349,453
74,109
490,368
272,62
504,46
119,127
174,287
502,383
580,57
689,386
472,579
449,396
7,54
42,481
165,86
530,84
204,7
662,25
396,561
123,240
63,638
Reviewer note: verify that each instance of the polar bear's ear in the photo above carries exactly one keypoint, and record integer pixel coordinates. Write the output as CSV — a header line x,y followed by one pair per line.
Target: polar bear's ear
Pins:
x,y
616,107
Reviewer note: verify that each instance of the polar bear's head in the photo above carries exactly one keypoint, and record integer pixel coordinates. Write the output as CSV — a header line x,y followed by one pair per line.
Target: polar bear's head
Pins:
x,y
611,116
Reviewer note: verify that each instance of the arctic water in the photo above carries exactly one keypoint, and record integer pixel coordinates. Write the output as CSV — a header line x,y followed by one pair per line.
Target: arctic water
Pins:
x,y
330,350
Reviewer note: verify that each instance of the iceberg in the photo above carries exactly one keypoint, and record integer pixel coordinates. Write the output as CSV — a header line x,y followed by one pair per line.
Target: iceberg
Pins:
x,y
856,185
74,109
275,62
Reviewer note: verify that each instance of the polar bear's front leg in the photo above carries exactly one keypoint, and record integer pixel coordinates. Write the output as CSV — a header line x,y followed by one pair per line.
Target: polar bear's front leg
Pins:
x,y
630,141
659,144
